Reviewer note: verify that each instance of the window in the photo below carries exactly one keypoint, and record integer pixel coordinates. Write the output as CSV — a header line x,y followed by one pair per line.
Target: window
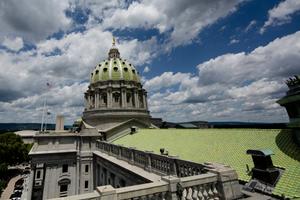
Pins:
x,y
133,71
64,168
86,184
38,174
125,69
86,168
63,188
97,71
115,69
128,97
105,69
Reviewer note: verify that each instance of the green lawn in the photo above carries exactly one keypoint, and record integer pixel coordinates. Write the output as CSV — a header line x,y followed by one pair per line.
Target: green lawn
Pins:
x,y
226,146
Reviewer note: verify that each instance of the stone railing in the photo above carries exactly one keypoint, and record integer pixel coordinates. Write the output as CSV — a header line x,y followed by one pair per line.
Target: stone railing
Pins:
x,y
202,186
159,164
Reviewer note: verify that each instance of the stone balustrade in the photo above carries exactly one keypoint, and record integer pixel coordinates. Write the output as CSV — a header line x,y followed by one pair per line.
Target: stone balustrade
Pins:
x,y
199,187
160,164
181,179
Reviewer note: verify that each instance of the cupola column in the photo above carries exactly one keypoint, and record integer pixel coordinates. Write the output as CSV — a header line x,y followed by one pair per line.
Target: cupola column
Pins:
x,y
144,100
109,98
85,101
136,99
89,102
123,98
97,99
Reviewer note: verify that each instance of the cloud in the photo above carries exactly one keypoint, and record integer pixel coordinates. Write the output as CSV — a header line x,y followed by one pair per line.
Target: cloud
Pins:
x,y
181,20
250,25
33,19
237,86
234,41
146,69
14,44
65,63
167,79
281,14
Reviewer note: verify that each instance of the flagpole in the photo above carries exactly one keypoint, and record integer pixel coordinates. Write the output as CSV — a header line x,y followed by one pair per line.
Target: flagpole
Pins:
x,y
46,117
43,115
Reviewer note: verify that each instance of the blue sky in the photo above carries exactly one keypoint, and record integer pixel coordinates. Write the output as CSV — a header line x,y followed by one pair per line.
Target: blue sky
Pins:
x,y
199,60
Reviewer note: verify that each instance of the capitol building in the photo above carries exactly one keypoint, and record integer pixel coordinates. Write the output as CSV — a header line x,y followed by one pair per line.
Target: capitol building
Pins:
x,y
91,162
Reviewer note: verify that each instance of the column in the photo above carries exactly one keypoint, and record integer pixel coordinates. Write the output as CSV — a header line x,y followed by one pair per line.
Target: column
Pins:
x,y
109,98
146,102
123,98
136,99
89,102
96,99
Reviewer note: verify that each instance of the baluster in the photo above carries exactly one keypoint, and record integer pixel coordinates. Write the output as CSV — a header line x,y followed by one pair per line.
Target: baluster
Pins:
x,y
215,191
190,193
210,192
200,193
184,194
163,196
195,193
150,197
205,194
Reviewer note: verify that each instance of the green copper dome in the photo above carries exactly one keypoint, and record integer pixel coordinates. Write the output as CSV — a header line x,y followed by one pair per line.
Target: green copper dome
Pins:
x,y
114,68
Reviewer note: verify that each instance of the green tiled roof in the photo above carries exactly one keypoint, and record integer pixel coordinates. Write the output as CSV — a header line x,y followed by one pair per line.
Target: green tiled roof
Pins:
x,y
114,69
226,146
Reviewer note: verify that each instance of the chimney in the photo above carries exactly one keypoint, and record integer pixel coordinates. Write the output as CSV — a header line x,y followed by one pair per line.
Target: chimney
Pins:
x,y
59,123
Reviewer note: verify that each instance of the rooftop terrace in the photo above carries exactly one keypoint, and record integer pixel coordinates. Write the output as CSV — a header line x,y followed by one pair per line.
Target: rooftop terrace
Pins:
x,y
226,146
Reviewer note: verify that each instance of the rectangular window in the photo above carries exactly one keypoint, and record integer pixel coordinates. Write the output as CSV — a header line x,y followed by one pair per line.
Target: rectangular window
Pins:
x,y
65,168
63,188
38,174
86,184
86,168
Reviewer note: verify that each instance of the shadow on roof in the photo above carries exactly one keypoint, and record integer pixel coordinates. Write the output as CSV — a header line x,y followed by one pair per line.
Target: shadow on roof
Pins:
x,y
285,142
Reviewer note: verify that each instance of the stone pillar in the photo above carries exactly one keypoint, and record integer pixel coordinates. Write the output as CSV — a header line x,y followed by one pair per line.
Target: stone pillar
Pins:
x,y
47,193
228,184
123,98
145,100
97,99
107,192
173,181
88,101
59,126
136,99
85,101
109,98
